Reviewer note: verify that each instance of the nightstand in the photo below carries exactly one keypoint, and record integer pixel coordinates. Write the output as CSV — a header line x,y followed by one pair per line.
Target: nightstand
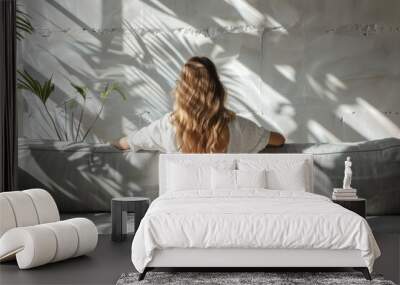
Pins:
x,y
358,205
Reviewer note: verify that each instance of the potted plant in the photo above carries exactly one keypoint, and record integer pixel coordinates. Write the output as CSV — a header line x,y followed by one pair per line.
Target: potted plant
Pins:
x,y
44,90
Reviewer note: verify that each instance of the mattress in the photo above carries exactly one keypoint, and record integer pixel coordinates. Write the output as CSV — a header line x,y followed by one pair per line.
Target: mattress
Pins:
x,y
251,219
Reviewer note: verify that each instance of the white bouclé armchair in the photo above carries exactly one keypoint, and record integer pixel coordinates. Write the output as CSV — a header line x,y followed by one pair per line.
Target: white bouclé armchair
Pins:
x,y
31,231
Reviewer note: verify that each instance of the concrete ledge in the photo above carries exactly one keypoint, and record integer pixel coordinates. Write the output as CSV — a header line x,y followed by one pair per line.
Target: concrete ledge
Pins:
x,y
85,177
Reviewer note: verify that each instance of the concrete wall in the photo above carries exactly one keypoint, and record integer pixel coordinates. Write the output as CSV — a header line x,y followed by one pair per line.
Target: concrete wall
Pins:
x,y
316,70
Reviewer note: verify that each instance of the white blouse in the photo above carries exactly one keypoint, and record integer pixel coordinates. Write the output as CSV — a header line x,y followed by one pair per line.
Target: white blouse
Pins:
x,y
244,136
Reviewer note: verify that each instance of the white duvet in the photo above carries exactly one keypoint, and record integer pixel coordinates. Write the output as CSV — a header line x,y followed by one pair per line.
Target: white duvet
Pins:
x,y
253,218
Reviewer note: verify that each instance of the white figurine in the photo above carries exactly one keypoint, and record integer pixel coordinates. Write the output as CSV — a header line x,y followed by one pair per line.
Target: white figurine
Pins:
x,y
347,174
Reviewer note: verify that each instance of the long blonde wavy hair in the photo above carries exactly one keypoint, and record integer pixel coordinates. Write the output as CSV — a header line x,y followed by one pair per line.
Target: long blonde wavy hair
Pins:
x,y
200,117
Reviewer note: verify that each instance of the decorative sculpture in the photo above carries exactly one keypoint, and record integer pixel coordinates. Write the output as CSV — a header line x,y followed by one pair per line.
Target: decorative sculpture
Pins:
x,y
348,173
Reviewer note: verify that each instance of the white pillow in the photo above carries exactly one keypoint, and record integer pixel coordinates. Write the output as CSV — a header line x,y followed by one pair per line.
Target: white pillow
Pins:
x,y
251,178
281,174
223,179
292,179
227,179
181,177
185,175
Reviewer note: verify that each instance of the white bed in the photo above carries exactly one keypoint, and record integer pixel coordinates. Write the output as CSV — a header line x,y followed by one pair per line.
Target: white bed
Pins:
x,y
248,227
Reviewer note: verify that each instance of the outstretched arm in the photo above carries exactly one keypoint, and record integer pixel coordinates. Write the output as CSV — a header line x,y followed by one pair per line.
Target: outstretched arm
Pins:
x,y
121,144
276,139
150,137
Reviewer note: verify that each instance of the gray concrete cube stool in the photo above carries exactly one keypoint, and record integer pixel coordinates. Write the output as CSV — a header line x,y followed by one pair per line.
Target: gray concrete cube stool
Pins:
x,y
120,207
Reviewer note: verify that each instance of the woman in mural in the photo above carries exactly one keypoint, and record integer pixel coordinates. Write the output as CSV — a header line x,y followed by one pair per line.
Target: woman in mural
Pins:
x,y
200,122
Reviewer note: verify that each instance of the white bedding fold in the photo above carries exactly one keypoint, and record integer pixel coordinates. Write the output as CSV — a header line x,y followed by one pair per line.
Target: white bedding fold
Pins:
x,y
253,218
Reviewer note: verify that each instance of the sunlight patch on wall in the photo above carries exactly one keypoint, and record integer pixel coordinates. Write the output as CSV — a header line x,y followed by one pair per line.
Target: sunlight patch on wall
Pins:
x,y
250,14
334,83
368,121
320,90
288,71
321,133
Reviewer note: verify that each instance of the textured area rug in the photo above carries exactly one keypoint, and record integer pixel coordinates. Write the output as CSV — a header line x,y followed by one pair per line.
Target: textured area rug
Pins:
x,y
244,278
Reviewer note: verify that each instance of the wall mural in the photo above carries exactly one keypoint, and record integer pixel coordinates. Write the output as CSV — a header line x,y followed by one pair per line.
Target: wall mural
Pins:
x,y
317,71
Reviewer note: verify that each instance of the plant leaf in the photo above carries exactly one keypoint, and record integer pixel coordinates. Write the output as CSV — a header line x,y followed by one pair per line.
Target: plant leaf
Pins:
x,y
82,90
23,23
23,85
110,88
47,89
104,94
118,90
43,92
27,82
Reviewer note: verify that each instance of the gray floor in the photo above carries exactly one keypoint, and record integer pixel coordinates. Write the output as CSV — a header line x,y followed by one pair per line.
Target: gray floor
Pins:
x,y
103,266
111,259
